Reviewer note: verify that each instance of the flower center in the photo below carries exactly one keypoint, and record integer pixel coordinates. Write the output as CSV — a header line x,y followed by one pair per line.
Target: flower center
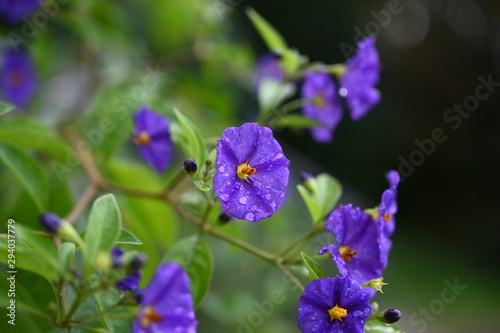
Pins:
x,y
150,315
346,253
319,101
245,170
387,217
143,138
16,78
337,313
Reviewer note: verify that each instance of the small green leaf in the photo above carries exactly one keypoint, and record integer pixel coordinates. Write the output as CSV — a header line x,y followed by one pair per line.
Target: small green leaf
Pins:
x,y
105,299
65,255
375,326
103,227
272,93
327,193
269,34
27,172
43,247
196,259
192,141
126,237
202,185
295,121
315,270
25,258
6,108
311,203
325,197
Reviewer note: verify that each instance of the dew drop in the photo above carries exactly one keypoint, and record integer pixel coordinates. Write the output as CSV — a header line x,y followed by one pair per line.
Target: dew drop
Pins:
x,y
273,205
243,200
221,168
224,196
343,92
249,216
255,208
262,160
282,195
267,196
279,155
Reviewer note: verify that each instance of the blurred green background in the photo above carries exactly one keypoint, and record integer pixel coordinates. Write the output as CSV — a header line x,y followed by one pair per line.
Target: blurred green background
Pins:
x,y
101,59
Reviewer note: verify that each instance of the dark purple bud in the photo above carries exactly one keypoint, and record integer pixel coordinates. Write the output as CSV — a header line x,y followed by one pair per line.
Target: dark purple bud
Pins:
x,y
190,166
390,316
116,257
224,217
51,222
138,295
138,261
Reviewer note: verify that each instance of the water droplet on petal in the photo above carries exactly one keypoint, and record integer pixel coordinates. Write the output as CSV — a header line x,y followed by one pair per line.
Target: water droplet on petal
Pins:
x,y
224,196
249,216
255,208
343,92
243,200
267,196
221,168
282,195
273,205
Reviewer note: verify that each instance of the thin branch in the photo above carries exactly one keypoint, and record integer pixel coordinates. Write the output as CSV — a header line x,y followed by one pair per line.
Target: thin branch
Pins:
x,y
82,203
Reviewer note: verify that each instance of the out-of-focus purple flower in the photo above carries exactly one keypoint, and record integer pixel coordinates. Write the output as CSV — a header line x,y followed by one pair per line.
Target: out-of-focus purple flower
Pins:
x,y
167,304
130,281
323,104
333,305
388,206
357,253
152,133
357,83
267,67
251,172
13,11
116,256
18,77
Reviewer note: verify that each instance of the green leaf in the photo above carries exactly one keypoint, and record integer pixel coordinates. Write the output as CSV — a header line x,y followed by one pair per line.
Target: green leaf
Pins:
x,y
6,108
43,246
126,237
26,258
295,121
202,185
28,133
104,226
192,142
375,326
311,203
269,34
325,197
196,259
27,172
104,299
328,193
65,255
272,93
315,270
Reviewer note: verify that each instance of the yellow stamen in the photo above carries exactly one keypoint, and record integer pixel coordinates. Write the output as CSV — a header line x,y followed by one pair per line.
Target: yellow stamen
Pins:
x,y
346,253
319,101
149,315
337,313
387,217
245,170
143,138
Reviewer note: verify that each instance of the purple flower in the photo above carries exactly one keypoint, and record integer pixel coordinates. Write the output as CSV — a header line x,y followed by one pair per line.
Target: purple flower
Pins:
x,y
267,67
14,10
18,77
333,305
388,206
357,253
251,172
153,135
130,281
167,305
116,256
51,222
385,215
362,73
323,104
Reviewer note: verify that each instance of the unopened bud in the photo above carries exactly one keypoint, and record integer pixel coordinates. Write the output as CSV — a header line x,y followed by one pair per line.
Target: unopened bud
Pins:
x,y
375,284
390,316
190,166
224,217
138,261
308,181
51,222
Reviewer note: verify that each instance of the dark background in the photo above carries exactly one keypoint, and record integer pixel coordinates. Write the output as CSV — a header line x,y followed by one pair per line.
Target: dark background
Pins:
x,y
432,55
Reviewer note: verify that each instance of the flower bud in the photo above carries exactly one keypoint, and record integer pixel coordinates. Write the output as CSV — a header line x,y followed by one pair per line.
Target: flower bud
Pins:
x,y
390,316
116,257
138,261
51,222
308,181
224,217
375,284
190,166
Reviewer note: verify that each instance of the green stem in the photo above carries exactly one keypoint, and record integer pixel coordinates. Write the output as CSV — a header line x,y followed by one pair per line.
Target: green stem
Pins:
x,y
314,231
290,275
270,117
174,181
